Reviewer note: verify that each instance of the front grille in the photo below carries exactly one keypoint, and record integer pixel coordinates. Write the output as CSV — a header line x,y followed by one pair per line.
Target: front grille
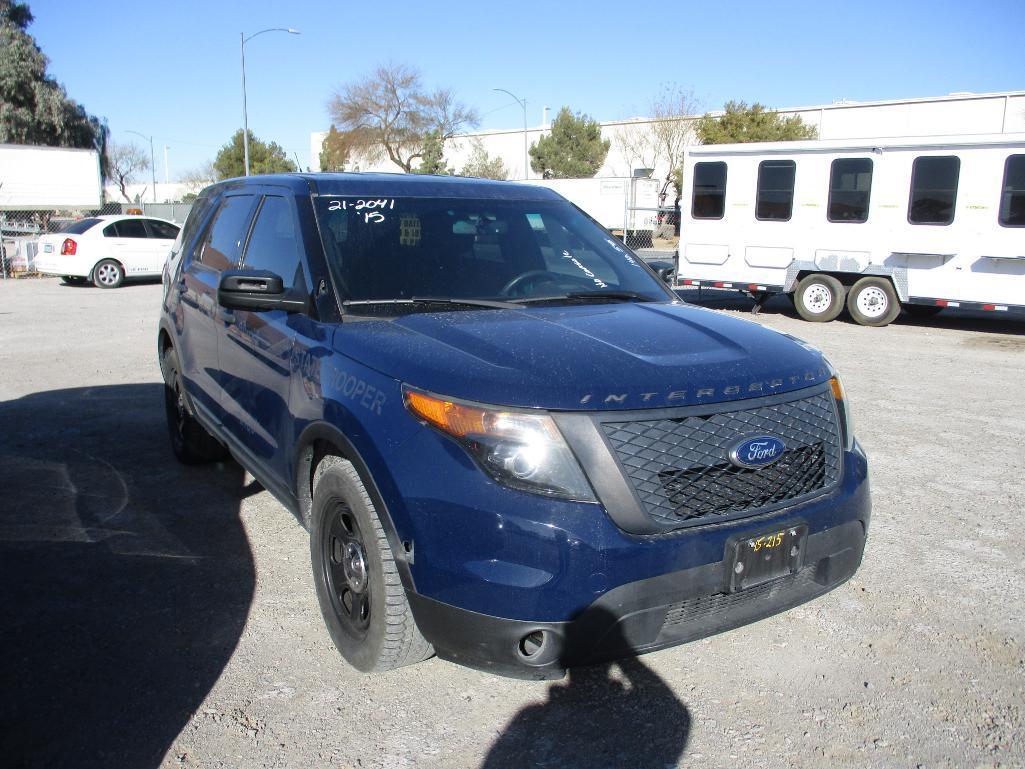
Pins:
x,y
680,468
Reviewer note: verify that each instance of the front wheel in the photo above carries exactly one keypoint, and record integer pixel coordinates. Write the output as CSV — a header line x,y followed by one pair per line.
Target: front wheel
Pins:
x,y
108,274
873,302
819,298
358,585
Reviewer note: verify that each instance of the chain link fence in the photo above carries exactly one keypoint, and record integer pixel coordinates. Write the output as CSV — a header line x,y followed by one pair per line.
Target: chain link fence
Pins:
x,y
654,235
21,230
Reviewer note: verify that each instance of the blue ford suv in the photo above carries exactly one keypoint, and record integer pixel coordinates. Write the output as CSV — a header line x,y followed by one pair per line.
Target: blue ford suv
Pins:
x,y
512,445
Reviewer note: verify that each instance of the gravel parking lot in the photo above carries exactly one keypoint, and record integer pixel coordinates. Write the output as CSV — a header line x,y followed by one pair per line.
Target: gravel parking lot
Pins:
x,y
156,615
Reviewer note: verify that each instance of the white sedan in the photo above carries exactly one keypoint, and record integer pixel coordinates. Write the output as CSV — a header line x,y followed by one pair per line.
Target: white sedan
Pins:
x,y
107,249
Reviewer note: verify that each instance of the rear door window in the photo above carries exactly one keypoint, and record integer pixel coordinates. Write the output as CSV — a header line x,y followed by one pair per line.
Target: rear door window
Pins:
x,y
131,228
223,242
274,242
161,230
850,189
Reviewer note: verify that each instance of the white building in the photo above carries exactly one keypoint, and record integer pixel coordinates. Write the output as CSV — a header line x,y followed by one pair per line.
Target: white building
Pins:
x,y
956,114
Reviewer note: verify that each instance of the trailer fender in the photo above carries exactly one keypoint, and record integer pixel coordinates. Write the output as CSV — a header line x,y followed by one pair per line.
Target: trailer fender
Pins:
x,y
897,275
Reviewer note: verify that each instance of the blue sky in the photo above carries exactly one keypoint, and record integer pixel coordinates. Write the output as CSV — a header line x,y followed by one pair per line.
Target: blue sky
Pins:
x,y
171,70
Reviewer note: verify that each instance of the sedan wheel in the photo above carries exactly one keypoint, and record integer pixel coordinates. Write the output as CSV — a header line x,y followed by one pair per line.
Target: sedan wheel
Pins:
x,y
108,274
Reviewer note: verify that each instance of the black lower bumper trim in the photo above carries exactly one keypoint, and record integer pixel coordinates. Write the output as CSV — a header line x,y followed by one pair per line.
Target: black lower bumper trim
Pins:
x,y
635,618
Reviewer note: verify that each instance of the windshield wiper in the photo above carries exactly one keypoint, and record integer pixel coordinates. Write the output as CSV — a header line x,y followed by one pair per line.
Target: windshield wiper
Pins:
x,y
434,300
626,296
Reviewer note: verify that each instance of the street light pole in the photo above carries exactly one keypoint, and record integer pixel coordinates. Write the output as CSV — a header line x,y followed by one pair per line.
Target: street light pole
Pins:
x,y
523,103
152,167
245,114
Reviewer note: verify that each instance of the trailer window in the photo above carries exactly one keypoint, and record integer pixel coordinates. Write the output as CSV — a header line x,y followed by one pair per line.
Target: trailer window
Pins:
x,y
933,190
774,199
709,200
1012,197
850,186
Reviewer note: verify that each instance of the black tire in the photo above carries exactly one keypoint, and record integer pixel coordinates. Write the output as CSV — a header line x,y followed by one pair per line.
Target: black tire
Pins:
x,y
819,298
190,441
873,302
108,274
922,311
358,585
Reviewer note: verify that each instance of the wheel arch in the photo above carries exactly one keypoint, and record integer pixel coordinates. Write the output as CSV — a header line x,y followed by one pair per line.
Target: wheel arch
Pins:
x,y
316,441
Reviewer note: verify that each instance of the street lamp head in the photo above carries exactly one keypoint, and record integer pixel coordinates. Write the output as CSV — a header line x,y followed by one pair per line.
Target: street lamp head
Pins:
x,y
293,31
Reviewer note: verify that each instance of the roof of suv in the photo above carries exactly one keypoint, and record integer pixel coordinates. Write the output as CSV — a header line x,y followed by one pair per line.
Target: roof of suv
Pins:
x,y
403,185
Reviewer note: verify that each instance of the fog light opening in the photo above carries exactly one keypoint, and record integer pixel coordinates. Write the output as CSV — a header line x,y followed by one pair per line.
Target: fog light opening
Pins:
x,y
533,643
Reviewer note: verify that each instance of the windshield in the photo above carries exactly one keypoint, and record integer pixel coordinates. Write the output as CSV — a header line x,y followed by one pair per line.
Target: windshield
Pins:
x,y
77,228
458,248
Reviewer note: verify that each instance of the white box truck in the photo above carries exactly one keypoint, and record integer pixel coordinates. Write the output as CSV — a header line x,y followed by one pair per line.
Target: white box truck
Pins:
x,y
627,206
873,225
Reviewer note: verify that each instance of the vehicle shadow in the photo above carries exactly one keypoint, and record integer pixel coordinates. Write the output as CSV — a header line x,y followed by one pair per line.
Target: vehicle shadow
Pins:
x,y
596,718
949,318
127,578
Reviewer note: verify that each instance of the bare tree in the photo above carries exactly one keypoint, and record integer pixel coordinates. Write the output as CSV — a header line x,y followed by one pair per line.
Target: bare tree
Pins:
x,y
636,145
124,161
672,129
390,113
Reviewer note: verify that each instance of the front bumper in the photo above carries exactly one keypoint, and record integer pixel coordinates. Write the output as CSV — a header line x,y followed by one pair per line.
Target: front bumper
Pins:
x,y
636,617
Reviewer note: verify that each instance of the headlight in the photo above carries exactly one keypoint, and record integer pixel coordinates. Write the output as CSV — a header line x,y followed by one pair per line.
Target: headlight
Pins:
x,y
846,426
518,449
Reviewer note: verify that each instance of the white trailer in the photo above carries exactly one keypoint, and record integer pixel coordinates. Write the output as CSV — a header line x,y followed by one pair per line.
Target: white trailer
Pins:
x,y
48,178
872,225
625,205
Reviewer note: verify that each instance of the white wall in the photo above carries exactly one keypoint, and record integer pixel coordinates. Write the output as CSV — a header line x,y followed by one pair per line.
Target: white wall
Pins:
x,y
939,116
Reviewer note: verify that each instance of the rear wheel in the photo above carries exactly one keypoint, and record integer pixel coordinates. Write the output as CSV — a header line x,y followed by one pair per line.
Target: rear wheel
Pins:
x,y
358,585
873,302
108,274
819,298
190,441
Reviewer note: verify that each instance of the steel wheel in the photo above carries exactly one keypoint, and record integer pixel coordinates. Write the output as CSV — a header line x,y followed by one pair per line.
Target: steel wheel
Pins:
x,y
346,570
357,580
873,302
819,298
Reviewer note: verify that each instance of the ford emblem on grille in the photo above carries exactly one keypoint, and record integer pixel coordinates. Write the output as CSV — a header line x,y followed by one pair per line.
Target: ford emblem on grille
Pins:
x,y
760,451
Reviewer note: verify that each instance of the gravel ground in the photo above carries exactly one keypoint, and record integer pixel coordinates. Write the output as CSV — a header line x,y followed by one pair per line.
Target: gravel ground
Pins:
x,y
155,615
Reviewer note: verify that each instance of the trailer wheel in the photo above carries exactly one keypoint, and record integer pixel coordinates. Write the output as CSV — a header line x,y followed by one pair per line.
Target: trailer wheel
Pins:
x,y
873,302
819,298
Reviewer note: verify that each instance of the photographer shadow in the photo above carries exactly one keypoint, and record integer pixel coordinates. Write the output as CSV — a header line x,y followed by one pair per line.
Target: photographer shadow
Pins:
x,y
126,578
617,713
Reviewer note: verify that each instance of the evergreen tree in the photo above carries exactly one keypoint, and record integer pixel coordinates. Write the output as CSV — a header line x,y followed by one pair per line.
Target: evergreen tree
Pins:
x,y
482,165
740,123
35,108
334,153
432,161
264,158
573,150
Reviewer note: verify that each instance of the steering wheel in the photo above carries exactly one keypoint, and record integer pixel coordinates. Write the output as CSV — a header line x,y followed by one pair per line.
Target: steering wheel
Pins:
x,y
523,277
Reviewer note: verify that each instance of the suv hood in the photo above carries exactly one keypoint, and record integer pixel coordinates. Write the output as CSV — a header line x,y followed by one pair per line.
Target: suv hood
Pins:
x,y
591,357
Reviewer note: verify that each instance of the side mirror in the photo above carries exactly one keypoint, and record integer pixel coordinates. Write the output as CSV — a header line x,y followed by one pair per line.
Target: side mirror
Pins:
x,y
258,290
665,270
